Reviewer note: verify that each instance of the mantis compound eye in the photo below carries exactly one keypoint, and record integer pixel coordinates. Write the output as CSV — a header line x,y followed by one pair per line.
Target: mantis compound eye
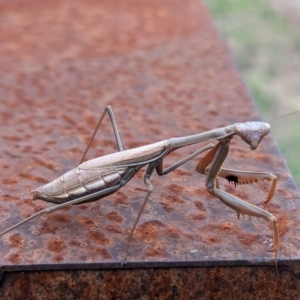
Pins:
x,y
252,132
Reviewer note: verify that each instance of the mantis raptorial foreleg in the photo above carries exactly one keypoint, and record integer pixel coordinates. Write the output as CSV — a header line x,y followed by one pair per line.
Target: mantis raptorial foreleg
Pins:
x,y
211,164
237,177
245,177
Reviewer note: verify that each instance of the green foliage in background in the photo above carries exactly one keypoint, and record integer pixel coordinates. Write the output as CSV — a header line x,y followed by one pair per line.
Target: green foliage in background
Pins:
x,y
266,47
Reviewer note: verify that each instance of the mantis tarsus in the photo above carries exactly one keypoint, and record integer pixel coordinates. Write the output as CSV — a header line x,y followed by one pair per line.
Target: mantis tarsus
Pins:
x,y
102,176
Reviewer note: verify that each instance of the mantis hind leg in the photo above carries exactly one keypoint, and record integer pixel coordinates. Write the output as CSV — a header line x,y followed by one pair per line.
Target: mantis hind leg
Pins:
x,y
150,189
90,197
108,109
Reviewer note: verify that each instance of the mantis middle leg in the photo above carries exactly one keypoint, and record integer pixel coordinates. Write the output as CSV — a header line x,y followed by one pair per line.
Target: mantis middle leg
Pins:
x,y
158,164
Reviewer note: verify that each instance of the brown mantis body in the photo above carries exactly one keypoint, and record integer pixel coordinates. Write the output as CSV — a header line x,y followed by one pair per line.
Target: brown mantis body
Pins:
x,y
102,176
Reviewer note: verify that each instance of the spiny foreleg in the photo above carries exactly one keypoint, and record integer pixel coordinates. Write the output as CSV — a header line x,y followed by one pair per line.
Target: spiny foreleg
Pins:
x,y
211,164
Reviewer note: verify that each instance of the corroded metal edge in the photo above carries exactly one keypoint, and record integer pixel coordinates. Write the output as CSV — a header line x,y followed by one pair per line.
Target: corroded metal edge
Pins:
x,y
158,90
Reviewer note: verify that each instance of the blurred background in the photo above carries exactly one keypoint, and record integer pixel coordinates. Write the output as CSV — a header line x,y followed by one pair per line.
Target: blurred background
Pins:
x,y
264,39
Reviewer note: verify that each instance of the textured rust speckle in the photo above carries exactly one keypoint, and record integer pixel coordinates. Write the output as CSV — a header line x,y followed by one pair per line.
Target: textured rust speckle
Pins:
x,y
83,207
16,240
56,245
165,71
175,188
47,227
59,218
98,237
213,112
172,232
199,205
15,258
114,228
248,239
101,251
47,164
172,198
198,216
87,222
228,227
10,181
285,224
57,258
167,206
149,230
114,216
211,239
33,178
157,251
75,243
120,198
153,283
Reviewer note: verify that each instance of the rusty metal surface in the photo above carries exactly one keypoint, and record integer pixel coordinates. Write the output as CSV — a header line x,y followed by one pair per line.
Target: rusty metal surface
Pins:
x,y
216,283
163,68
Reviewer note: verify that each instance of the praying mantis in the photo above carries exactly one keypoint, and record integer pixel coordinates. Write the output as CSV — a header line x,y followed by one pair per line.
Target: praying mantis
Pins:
x,y
103,176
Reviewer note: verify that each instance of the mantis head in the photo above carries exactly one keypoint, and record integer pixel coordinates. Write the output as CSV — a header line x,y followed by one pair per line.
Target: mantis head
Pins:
x,y
252,132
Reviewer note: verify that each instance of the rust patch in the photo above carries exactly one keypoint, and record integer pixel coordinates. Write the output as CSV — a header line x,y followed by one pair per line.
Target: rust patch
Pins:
x,y
57,258
149,230
83,206
175,188
114,216
9,181
211,239
173,232
194,237
120,198
167,206
98,237
225,227
15,258
88,222
199,205
59,218
47,164
228,227
157,251
75,243
38,180
101,251
213,112
47,227
114,228
56,245
285,224
198,216
16,240
173,199
248,239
